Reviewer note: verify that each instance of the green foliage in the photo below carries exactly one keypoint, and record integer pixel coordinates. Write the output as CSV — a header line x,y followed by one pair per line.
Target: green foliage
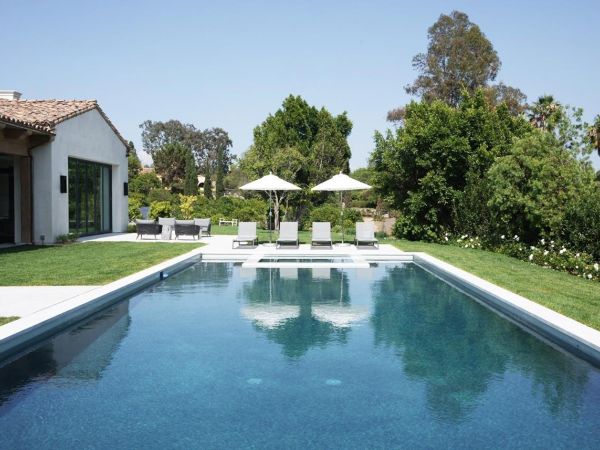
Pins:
x,y
190,184
143,183
581,224
68,238
170,162
160,209
187,205
333,214
459,56
531,186
134,205
208,193
422,167
131,228
159,195
134,165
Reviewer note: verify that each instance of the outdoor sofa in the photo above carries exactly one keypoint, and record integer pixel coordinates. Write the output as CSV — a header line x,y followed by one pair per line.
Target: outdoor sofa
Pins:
x,y
246,234
321,234
288,234
187,228
143,227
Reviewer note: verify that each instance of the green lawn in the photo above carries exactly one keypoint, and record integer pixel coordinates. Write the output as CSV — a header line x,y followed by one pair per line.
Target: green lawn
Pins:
x,y
567,294
5,320
263,235
89,263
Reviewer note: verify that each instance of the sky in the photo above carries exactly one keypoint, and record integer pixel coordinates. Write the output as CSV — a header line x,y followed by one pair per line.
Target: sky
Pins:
x,y
229,64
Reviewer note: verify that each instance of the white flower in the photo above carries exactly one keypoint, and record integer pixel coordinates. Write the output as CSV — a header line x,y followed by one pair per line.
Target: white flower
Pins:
x,y
531,257
532,248
464,236
446,238
577,255
589,275
502,237
545,252
596,267
552,242
543,241
516,238
562,250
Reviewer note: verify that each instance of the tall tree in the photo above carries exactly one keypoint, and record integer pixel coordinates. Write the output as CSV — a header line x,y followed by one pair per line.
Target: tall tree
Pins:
x,y
215,156
301,143
594,134
459,56
134,165
169,163
155,135
190,184
208,193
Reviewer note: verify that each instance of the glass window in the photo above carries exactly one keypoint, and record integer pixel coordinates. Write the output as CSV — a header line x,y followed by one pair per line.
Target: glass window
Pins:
x,y
89,197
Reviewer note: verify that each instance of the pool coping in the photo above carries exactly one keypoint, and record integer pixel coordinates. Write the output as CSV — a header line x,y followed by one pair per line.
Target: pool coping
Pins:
x,y
575,337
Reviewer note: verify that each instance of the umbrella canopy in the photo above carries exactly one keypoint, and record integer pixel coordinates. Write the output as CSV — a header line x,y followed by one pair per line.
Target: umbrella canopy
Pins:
x,y
270,183
340,316
270,316
341,182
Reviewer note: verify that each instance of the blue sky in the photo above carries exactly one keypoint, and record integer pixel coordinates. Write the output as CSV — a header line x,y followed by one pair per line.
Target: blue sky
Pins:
x,y
230,64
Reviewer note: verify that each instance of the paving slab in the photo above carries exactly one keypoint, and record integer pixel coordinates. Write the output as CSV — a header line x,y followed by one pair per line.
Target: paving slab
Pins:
x,y
23,301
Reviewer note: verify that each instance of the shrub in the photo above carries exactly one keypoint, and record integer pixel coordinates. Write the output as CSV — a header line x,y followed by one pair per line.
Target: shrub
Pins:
x,y
581,224
131,228
186,206
144,183
160,209
67,238
160,195
135,203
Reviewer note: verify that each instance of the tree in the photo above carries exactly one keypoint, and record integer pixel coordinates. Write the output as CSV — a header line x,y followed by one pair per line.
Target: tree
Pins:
x,y
459,57
208,193
190,185
169,163
422,166
215,156
514,99
300,143
156,135
594,134
134,165
144,183
533,185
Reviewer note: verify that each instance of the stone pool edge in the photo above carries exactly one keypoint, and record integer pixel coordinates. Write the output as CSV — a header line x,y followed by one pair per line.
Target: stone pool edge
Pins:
x,y
27,331
567,333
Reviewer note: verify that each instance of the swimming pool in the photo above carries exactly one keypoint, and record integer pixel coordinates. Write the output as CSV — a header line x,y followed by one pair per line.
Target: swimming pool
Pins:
x,y
220,356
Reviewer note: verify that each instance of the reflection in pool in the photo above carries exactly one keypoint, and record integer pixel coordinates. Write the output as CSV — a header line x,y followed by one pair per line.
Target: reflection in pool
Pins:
x,y
219,356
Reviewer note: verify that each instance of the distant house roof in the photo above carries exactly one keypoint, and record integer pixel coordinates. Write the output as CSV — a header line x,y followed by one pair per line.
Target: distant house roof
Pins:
x,y
44,115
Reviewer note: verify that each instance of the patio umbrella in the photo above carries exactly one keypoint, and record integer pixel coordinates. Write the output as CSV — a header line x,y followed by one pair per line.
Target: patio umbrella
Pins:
x,y
270,183
340,183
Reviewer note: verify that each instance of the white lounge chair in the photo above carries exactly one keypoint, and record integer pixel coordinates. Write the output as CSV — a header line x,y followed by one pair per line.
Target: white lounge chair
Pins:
x,y
365,233
321,234
246,234
288,234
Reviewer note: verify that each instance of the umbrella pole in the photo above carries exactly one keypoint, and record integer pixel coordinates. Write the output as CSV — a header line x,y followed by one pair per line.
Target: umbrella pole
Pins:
x,y
342,204
270,214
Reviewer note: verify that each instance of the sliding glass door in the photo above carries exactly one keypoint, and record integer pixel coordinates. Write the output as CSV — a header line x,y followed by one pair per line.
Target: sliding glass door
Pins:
x,y
89,197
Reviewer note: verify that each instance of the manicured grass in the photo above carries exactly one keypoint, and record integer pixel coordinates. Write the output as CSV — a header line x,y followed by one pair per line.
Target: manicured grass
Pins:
x,y
89,263
5,320
263,235
574,297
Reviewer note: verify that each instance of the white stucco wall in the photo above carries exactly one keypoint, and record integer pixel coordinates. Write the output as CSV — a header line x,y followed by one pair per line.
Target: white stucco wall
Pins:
x,y
86,137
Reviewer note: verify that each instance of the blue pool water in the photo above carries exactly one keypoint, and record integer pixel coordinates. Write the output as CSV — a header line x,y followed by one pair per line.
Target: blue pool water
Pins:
x,y
221,357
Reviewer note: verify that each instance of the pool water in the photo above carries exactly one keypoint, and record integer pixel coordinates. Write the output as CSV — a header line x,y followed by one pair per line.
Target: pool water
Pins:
x,y
219,356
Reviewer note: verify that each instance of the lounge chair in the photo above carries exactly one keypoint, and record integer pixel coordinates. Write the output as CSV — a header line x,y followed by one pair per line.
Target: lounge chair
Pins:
x,y
246,234
186,228
204,225
146,227
321,234
365,233
288,234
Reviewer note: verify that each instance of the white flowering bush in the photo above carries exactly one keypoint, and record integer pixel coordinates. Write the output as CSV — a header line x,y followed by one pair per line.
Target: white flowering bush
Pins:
x,y
546,253
551,255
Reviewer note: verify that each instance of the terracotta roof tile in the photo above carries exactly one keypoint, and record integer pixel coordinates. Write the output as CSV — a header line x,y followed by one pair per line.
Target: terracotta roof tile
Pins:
x,y
44,115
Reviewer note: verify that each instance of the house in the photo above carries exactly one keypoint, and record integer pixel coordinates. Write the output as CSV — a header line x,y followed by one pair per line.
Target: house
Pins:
x,y
63,168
